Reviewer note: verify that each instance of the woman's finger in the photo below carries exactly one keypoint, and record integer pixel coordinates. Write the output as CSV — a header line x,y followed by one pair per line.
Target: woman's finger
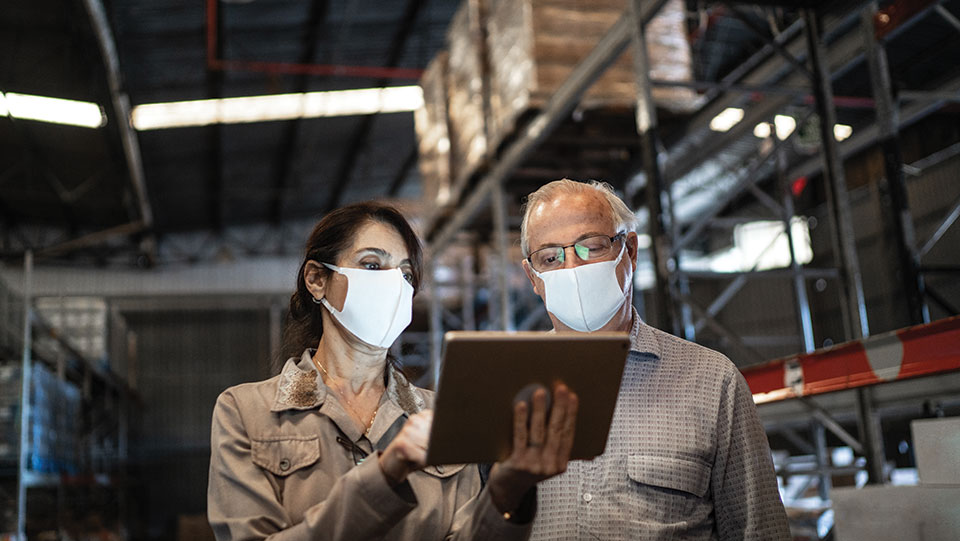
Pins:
x,y
417,454
417,428
422,421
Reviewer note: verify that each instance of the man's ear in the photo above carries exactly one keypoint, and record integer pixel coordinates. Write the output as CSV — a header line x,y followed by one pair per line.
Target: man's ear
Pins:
x,y
534,281
315,278
632,248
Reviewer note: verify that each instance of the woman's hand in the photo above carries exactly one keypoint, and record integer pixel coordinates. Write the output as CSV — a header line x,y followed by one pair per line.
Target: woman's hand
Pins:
x,y
539,452
408,450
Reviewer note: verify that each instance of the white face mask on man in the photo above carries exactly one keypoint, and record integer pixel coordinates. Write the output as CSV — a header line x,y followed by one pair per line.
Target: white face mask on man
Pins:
x,y
378,307
586,297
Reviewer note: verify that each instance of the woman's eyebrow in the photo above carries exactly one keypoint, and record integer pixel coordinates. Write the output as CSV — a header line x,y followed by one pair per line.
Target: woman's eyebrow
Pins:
x,y
377,251
382,253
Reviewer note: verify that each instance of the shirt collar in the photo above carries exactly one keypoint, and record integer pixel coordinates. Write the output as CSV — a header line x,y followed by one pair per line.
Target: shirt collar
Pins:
x,y
300,387
643,339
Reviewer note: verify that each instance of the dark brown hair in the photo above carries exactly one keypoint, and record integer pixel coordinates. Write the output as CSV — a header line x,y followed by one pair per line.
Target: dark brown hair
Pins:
x,y
333,234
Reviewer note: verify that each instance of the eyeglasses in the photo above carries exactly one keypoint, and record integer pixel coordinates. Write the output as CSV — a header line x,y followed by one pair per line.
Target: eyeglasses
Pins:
x,y
357,452
590,249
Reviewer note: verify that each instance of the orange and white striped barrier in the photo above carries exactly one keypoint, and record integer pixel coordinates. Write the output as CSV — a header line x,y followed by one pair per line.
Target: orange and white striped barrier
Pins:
x,y
921,350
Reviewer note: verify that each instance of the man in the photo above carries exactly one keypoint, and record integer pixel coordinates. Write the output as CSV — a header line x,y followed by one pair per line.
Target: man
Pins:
x,y
687,457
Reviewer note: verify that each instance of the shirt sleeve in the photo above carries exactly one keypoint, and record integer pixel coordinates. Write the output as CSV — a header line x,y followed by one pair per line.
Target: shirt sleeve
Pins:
x,y
746,499
242,504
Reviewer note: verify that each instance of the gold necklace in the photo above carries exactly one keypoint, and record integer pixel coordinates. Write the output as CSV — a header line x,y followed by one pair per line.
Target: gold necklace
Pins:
x,y
353,409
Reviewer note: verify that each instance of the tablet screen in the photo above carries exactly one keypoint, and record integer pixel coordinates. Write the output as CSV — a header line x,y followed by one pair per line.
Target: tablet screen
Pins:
x,y
483,372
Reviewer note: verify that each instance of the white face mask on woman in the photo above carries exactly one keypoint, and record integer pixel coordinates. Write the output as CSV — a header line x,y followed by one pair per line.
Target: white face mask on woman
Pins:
x,y
378,307
586,297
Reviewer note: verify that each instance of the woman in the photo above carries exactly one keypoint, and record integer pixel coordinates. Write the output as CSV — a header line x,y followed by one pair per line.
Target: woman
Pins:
x,y
334,446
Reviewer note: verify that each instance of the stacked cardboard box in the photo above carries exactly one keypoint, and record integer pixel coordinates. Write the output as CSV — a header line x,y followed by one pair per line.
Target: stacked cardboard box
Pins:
x,y
466,84
506,58
433,136
534,45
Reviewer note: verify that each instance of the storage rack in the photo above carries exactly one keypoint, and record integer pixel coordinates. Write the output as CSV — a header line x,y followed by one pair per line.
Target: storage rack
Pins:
x,y
71,446
779,71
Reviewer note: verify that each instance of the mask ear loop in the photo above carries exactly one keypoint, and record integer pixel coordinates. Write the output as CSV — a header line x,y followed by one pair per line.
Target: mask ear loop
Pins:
x,y
334,268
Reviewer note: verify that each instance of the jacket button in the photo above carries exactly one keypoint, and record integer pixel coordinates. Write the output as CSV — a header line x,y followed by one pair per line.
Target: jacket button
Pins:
x,y
284,464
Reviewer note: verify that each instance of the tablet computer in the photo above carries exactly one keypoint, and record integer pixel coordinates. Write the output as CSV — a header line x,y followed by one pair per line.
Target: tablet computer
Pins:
x,y
484,371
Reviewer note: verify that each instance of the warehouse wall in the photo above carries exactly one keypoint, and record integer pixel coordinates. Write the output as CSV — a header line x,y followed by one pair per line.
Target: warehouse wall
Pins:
x,y
185,359
930,196
762,313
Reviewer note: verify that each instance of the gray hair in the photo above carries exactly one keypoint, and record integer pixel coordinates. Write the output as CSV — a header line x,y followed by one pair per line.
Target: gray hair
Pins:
x,y
623,218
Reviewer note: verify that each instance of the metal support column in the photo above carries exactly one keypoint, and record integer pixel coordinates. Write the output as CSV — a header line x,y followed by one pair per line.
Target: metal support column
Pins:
x,y
802,302
128,136
660,222
123,455
500,227
468,293
852,302
25,388
893,195
436,326
870,435
823,460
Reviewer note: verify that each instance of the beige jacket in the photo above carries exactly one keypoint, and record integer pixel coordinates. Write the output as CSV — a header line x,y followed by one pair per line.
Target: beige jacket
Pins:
x,y
277,470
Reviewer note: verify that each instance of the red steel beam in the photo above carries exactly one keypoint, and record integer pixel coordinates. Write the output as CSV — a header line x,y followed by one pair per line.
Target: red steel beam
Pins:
x,y
921,350
289,68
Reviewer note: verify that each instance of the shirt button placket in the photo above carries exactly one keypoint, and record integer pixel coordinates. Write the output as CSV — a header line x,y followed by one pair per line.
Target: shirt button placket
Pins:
x,y
589,472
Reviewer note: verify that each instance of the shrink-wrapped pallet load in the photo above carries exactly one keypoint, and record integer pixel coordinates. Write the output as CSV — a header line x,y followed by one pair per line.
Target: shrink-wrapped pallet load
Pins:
x,y
433,137
465,89
533,45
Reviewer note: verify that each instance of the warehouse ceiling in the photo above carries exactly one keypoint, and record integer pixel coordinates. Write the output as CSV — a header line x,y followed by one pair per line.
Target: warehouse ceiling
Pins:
x,y
62,184
116,196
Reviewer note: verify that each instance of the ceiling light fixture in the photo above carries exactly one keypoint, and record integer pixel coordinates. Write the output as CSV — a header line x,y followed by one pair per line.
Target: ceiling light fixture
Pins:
x,y
727,119
362,101
784,126
54,110
762,130
842,131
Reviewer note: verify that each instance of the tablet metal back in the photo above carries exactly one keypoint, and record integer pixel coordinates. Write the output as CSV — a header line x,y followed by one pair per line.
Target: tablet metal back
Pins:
x,y
483,372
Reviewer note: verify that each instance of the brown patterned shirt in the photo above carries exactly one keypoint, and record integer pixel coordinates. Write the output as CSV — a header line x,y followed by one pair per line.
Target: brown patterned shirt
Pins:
x,y
686,458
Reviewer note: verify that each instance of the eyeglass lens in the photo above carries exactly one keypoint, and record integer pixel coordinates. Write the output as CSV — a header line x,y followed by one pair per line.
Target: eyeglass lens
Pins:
x,y
588,249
